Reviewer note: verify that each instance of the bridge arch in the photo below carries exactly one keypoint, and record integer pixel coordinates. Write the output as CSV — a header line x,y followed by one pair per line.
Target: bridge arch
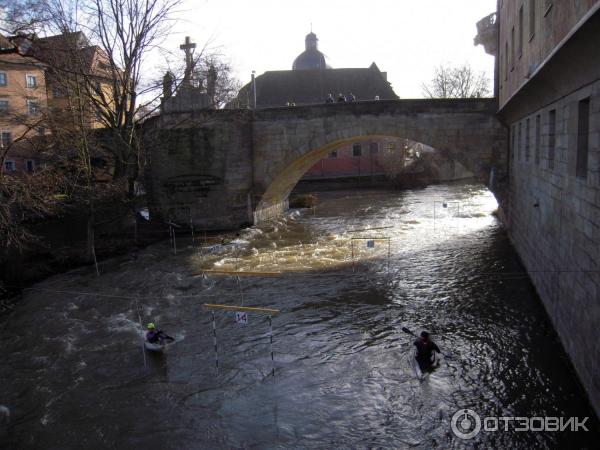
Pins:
x,y
284,182
465,131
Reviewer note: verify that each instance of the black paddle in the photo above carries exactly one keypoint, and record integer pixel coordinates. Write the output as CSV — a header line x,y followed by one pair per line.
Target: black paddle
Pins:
x,y
406,330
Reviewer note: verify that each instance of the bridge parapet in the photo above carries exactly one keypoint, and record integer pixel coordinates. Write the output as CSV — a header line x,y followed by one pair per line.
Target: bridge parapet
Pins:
x,y
225,168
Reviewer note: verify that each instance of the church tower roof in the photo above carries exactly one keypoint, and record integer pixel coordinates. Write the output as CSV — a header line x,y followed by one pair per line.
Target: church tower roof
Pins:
x,y
311,58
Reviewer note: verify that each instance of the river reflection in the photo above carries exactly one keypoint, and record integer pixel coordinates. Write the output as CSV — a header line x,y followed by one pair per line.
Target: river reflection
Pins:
x,y
350,275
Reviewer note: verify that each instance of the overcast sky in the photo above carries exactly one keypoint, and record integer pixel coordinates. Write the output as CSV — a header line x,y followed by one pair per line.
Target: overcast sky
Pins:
x,y
408,39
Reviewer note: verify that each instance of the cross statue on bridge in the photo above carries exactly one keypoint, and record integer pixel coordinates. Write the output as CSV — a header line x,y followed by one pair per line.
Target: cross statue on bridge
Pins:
x,y
189,62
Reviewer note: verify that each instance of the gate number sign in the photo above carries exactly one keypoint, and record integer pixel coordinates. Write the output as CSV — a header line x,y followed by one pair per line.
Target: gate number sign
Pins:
x,y
241,318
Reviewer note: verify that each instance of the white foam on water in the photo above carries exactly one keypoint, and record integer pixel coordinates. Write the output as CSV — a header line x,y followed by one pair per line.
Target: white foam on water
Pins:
x,y
120,322
4,414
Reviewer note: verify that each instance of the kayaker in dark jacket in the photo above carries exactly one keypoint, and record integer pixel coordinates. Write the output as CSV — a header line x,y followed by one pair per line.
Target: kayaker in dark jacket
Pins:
x,y
425,348
154,335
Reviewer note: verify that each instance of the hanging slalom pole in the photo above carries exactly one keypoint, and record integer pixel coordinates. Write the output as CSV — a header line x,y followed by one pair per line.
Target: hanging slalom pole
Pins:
x,y
214,325
192,228
172,227
388,259
137,307
271,341
239,282
174,241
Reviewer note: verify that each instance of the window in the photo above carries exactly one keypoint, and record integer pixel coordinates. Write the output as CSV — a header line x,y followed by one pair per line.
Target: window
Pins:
x,y
10,165
514,142
520,140
527,140
3,79
3,106
506,61
33,107
531,19
31,81
373,148
356,150
5,139
512,48
391,147
551,138
30,164
521,31
333,154
537,140
583,131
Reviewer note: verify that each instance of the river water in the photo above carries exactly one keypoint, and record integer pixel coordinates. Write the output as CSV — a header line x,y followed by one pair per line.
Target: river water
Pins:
x,y
351,274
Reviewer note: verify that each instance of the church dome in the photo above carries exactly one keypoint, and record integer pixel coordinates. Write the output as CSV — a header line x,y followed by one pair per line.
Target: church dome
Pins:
x,y
311,58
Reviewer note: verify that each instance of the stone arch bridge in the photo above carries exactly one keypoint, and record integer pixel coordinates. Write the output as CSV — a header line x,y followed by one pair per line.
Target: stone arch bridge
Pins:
x,y
227,168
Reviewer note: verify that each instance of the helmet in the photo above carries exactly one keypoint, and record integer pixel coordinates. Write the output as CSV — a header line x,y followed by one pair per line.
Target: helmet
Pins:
x,y
424,334
151,326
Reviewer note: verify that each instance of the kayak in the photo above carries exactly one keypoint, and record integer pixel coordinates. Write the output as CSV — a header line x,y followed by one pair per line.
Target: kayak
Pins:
x,y
423,367
156,347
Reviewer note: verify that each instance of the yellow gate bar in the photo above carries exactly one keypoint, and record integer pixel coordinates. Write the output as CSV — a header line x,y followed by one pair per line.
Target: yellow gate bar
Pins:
x,y
237,273
369,229
241,308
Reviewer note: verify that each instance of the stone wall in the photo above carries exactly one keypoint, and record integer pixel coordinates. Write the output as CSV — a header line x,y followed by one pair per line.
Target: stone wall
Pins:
x,y
200,168
554,208
554,223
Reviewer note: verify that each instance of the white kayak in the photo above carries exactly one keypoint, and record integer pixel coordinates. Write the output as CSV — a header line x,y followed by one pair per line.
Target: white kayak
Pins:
x,y
156,347
417,367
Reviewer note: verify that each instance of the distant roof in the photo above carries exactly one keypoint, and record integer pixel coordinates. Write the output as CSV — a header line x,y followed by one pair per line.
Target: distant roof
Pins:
x,y
60,51
5,44
276,88
311,57
17,58
75,39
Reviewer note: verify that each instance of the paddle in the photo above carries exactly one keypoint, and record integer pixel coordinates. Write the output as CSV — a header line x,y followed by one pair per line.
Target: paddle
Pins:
x,y
406,330
166,336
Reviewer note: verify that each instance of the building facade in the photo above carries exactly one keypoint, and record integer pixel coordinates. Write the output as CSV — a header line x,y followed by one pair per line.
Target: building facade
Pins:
x,y
22,102
548,82
47,87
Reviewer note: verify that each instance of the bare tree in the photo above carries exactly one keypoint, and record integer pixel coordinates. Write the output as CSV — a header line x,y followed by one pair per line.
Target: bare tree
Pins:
x,y
457,82
213,66
21,16
122,33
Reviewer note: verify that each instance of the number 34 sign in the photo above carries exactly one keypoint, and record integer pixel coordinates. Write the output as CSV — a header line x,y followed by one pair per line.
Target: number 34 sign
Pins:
x,y
241,318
